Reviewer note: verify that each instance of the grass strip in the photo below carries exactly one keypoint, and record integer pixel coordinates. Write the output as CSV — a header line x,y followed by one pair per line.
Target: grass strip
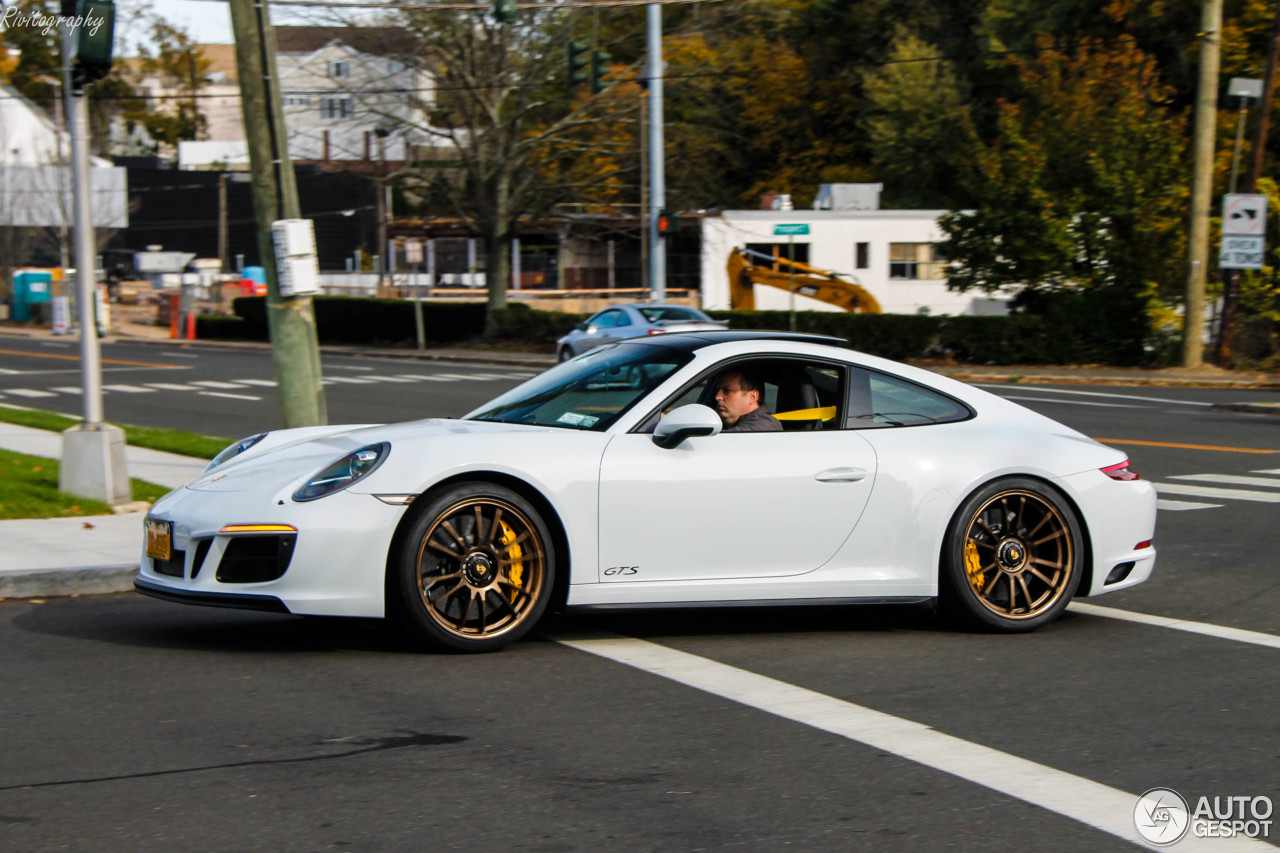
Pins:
x,y
168,440
29,489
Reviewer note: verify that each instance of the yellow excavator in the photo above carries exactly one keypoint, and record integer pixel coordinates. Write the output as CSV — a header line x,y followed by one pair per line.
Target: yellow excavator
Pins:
x,y
748,268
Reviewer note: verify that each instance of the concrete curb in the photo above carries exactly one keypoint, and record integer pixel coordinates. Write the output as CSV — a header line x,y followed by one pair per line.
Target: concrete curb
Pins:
x,y
50,583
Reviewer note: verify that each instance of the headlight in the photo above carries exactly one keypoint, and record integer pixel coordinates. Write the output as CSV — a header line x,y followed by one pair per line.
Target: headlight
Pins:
x,y
344,472
235,450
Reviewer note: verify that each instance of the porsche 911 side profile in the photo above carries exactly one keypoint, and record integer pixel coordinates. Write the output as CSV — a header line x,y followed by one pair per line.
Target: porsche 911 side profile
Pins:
x,y
608,481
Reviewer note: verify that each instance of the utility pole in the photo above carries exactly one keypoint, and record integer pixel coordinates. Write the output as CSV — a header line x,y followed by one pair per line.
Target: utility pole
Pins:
x,y
93,459
657,173
1202,183
294,342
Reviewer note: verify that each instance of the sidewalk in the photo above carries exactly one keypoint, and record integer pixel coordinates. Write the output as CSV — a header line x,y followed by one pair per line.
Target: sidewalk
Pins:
x,y
85,555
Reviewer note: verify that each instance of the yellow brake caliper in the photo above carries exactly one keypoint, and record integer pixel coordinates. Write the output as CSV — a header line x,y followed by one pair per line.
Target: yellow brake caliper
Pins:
x,y
973,564
514,553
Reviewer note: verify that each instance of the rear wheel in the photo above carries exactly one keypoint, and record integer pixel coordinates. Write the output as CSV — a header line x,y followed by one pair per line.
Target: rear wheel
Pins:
x,y
1013,556
476,570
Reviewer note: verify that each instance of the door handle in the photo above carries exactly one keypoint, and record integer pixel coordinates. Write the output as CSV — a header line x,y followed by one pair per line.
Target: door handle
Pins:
x,y
841,475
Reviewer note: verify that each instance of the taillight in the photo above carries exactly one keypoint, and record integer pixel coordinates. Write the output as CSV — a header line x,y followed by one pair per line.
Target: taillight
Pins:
x,y
655,331
1121,471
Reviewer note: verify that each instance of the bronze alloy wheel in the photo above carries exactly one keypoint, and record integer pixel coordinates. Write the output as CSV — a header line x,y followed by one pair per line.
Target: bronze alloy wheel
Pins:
x,y
1014,556
481,570
1018,554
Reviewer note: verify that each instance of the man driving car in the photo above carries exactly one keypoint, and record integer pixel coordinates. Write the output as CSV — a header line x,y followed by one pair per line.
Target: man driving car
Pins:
x,y
739,402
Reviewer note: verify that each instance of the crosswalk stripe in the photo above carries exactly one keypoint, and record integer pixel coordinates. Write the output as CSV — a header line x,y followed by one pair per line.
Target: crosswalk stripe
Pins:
x,y
68,389
1229,479
402,378
432,378
1094,804
214,383
129,389
228,396
1177,506
455,375
28,392
265,383
1210,492
350,380
170,386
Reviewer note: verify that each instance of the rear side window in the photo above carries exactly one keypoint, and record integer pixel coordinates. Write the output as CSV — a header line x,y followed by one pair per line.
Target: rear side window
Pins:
x,y
878,400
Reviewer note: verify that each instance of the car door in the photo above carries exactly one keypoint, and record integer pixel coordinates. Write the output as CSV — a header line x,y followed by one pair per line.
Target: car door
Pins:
x,y
733,505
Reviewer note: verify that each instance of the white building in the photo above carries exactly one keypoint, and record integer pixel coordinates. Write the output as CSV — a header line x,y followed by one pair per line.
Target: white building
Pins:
x,y
35,190
891,253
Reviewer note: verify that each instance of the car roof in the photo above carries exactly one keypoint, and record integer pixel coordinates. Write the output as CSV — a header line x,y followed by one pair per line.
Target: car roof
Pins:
x,y
691,341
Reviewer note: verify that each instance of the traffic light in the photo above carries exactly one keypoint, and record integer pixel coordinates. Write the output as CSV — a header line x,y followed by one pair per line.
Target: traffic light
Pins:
x,y
504,11
94,39
599,68
578,62
668,223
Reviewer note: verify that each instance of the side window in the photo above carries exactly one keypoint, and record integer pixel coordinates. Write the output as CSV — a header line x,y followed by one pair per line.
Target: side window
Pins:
x,y
803,395
878,401
620,318
604,320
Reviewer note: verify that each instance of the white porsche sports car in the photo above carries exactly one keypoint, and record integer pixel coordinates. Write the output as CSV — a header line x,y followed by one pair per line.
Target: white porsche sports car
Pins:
x,y
607,482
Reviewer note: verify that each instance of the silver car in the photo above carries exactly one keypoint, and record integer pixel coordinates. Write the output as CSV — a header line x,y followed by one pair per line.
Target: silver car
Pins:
x,y
630,321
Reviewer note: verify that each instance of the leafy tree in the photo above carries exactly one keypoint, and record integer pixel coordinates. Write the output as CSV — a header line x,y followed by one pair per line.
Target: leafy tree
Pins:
x,y
1084,184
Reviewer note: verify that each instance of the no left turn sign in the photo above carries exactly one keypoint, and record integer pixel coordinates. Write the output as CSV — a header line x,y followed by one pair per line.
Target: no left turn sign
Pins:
x,y
1245,215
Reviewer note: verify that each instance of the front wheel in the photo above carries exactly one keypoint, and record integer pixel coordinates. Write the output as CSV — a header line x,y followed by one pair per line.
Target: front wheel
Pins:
x,y
1013,556
565,354
476,570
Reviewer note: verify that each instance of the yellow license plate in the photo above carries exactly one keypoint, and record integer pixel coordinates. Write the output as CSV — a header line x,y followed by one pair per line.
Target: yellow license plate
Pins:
x,y
159,539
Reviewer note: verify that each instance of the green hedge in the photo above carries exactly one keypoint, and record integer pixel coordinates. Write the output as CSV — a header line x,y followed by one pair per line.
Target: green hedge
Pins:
x,y
1095,327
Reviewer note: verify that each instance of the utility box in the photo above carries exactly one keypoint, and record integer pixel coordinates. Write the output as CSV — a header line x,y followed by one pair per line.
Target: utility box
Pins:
x,y
297,272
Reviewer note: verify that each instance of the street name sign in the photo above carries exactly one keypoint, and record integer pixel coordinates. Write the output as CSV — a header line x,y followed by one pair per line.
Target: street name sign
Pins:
x,y
793,230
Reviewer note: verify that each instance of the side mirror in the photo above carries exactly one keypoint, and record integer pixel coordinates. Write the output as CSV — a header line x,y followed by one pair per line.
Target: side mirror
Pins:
x,y
692,421
581,327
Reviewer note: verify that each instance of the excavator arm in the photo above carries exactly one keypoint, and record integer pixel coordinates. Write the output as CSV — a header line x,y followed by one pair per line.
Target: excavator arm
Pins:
x,y
747,269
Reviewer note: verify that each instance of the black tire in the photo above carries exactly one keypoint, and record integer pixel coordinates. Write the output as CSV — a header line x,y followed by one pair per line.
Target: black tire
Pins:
x,y
1013,557
476,569
565,354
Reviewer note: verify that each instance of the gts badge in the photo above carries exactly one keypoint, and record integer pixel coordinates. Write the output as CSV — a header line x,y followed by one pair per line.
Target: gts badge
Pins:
x,y
621,571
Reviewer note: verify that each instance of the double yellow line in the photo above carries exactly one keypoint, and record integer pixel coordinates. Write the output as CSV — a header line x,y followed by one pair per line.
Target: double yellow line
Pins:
x,y
77,358
1184,446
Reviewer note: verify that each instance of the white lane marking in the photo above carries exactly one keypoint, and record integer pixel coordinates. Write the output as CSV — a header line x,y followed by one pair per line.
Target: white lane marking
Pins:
x,y
179,354
433,378
265,383
350,367
228,396
455,375
214,383
1228,479
1208,629
1071,402
485,377
27,392
170,386
1092,803
348,379
68,389
1210,492
54,345
392,379
1177,506
1269,471
4,371
1042,390
129,389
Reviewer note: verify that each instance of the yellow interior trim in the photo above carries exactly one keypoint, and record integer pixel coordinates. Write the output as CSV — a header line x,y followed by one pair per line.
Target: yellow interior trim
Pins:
x,y
825,413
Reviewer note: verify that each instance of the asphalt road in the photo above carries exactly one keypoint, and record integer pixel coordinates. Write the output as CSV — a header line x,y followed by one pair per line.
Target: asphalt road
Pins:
x,y
132,724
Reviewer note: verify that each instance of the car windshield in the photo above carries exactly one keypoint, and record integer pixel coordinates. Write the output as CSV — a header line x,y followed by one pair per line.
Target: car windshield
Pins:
x,y
590,392
661,313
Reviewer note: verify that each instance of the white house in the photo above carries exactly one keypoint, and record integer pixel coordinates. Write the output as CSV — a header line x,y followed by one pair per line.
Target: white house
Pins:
x,y
891,253
35,190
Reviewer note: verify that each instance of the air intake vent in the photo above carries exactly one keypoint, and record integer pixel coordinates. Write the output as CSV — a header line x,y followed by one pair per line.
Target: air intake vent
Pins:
x,y
256,559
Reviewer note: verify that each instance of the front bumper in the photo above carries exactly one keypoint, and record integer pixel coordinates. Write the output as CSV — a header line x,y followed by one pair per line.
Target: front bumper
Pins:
x,y
336,566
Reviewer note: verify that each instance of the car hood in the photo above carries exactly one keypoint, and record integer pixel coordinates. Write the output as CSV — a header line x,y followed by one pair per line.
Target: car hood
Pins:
x,y
293,456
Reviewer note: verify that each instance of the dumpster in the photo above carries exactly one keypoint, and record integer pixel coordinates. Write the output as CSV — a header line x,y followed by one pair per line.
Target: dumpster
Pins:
x,y
31,292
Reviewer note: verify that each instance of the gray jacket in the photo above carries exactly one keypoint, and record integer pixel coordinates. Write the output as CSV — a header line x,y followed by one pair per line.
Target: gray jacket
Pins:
x,y
759,420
